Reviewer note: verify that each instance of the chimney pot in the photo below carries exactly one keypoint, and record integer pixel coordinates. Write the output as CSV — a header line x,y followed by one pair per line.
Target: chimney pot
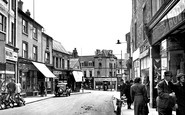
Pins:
x,y
20,4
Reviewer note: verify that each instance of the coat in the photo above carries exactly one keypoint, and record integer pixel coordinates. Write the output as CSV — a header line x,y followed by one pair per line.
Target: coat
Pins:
x,y
139,96
164,100
180,94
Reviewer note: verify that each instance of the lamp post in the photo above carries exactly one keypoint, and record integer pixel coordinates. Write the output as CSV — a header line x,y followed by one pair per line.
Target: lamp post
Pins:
x,y
118,42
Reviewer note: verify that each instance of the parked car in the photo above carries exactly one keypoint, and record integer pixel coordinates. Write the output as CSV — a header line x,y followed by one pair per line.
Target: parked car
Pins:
x,y
62,89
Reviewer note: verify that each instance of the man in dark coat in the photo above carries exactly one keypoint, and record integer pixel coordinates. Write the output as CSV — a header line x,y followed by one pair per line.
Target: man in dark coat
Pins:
x,y
166,96
127,93
11,86
122,88
180,94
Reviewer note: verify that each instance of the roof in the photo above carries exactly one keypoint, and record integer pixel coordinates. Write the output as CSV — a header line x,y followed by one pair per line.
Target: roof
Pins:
x,y
58,47
73,62
87,58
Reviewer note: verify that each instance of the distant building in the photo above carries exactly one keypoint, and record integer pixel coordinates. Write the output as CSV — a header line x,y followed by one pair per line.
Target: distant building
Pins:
x,y
105,70
87,66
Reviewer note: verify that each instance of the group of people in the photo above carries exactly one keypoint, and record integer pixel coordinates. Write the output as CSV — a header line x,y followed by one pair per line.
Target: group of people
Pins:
x,y
12,89
171,96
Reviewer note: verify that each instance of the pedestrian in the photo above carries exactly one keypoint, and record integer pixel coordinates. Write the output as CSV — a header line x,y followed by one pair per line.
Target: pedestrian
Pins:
x,y
18,92
11,87
127,93
42,89
166,96
122,88
180,94
139,97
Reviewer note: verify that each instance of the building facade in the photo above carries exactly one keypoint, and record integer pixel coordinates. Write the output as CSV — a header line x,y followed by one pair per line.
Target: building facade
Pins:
x,y
157,33
8,43
32,71
87,66
105,70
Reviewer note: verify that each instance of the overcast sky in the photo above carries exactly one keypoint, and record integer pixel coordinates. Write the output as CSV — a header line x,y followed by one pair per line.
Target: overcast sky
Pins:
x,y
84,24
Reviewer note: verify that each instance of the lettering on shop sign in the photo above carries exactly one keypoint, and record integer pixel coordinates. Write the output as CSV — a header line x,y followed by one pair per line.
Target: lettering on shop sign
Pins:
x,y
177,14
11,55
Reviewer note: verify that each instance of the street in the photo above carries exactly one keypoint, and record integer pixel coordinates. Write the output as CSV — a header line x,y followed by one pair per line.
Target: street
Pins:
x,y
94,103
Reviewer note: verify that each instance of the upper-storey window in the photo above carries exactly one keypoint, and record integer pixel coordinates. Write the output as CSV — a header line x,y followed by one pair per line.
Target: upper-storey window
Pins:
x,y
34,33
156,4
47,43
2,23
11,39
35,53
47,57
24,26
13,3
25,50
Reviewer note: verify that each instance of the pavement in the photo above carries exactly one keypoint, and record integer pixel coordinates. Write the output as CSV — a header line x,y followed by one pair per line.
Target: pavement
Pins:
x,y
125,111
32,99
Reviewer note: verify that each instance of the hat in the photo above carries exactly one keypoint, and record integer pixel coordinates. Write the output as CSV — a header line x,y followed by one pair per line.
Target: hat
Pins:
x,y
167,73
179,75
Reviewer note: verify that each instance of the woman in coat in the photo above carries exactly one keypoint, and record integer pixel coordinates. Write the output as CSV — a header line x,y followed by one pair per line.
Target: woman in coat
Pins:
x,y
180,94
139,96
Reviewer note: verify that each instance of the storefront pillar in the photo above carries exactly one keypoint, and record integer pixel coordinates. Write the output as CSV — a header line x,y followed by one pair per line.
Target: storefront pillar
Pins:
x,y
151,78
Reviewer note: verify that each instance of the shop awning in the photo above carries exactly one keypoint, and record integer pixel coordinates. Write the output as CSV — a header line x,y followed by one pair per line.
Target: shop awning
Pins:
x,y
78,76
44,70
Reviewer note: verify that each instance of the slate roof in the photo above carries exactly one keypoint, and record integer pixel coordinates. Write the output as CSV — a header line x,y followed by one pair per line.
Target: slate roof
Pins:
x,y
58,47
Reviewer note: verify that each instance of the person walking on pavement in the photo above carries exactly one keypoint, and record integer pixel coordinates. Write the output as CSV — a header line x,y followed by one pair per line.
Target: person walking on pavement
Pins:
x,y
139,97
122,88
127,93
18,92
11,87
180,94
42,89
166,96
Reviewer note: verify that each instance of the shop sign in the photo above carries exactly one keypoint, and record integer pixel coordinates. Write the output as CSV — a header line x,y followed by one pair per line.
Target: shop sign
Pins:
x,y
57,72
10,54
173,18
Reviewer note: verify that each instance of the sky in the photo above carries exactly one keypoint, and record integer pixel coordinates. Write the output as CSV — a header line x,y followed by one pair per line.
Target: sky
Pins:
x,y
86,25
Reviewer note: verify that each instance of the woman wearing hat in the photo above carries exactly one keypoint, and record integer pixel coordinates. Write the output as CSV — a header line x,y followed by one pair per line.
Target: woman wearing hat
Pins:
x,y
180,94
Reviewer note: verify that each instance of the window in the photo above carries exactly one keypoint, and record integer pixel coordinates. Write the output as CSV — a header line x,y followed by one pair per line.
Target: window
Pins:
x,y
63,63
35,54
2,23
68,64
85,74
11,39
135,26
24,26
47,43
13,4
35,33
47,57
100,65
56,62
98,73
25,50
90,73
156,5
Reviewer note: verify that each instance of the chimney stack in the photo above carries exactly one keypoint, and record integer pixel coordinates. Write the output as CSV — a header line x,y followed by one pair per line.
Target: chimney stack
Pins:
x,y
28,12
20,4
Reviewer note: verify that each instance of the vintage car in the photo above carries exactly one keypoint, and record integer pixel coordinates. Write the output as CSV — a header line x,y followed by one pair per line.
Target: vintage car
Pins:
x,y
61,89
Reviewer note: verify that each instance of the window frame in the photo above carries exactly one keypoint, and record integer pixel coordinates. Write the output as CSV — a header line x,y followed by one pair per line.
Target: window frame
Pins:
x,y
25,51
24,26
35,52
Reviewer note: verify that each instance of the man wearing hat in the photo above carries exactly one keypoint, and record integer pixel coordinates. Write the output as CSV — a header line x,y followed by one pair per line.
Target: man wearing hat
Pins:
x,y
180,94
166,96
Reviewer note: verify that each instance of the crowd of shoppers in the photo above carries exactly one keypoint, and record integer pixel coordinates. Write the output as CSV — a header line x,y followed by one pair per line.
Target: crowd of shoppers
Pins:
x,y
170,96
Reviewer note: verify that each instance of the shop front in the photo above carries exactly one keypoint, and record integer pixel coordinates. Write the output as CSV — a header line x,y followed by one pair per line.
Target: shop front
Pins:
x,y
167,40
8,69
32,75
105,83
